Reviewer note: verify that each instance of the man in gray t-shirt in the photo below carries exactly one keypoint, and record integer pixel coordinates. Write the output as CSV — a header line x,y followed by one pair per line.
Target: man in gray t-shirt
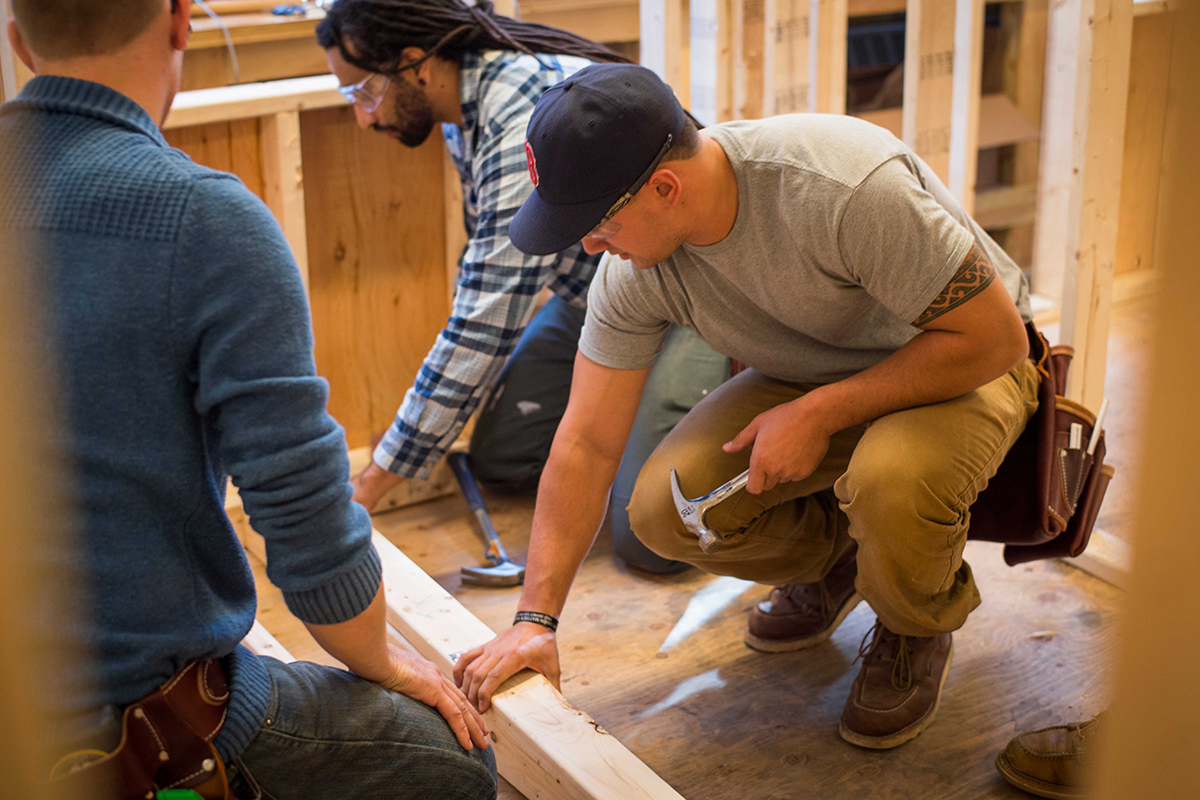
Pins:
x,y
887,375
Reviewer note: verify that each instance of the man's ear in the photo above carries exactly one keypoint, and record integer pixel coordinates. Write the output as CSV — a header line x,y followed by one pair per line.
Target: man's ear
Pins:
x,y
666,186
411,55
181,23
18,44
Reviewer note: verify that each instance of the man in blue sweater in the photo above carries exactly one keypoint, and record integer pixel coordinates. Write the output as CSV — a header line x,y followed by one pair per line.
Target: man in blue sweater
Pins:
x,y
180,326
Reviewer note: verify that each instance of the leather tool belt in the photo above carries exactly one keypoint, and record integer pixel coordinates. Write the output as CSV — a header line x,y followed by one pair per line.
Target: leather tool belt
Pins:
x,y
1044,499
166,743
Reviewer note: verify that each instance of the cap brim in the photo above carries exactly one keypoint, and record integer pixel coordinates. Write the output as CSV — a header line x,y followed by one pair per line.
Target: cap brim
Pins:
x,y
541,229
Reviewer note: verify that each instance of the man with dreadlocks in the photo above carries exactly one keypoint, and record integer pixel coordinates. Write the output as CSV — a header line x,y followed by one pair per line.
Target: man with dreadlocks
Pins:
x,y
408,65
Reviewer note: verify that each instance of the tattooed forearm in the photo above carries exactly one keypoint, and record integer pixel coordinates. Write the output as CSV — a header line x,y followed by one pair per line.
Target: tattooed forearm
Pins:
x,y
975,274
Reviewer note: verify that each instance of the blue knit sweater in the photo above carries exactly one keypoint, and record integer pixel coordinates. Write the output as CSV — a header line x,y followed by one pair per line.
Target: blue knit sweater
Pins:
x,y
184,346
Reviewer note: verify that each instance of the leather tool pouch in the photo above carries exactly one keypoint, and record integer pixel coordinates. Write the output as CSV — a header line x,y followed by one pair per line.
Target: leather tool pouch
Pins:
x,y
166,743
1044,499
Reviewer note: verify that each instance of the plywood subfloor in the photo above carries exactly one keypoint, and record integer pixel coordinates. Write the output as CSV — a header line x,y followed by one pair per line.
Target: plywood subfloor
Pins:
x,y
721,722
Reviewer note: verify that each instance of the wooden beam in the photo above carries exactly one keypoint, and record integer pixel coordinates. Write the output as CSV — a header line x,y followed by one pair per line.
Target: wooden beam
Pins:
x,y
942,75
964,106
661,42
787,64
712,69
1104,29
1106,557
545,747
749,59
283,182
253,100
827,60
262,643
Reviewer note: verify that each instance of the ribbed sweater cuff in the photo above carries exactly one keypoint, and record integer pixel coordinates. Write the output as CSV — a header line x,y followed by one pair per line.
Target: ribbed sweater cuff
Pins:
x,y
343,597
250,694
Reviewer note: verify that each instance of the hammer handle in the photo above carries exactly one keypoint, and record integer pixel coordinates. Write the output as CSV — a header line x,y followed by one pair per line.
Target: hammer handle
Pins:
x,y
466,481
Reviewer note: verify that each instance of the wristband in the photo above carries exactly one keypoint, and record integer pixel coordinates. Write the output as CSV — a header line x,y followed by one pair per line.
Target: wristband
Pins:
x,y
545,620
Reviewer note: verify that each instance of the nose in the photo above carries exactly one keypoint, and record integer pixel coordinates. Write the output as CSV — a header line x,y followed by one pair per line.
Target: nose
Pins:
x,y
364,119
594,244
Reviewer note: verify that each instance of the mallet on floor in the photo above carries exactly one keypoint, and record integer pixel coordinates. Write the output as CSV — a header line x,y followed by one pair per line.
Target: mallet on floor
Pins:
x,y
502,572
692,512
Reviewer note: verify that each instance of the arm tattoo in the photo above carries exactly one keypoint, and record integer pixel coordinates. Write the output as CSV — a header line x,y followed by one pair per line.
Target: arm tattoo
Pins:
x,y
975,275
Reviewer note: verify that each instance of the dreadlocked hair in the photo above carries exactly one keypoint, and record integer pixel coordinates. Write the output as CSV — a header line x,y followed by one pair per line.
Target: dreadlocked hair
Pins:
x,y
379,30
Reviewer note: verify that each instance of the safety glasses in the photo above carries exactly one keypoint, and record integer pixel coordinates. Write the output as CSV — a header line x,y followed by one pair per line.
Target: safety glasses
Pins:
x,y
368,93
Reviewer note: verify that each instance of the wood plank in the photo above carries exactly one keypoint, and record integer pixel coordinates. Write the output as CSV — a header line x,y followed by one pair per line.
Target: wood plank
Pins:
x,y
257,62
1006,206
1145,131
750,41
253,28
283,182
1000,123
245,146
599,20
1105,29
789,34
225,7
1106,557
377,264
260,642
827,60
440,484
711,54
964,106
253,100
661,38
929,82
545,747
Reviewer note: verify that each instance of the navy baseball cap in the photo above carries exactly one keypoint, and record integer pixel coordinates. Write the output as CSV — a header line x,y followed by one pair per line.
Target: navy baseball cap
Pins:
x,y
592,140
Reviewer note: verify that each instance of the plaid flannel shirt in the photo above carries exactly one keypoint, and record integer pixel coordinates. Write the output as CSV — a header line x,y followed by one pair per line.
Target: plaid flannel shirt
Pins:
x,y
497,283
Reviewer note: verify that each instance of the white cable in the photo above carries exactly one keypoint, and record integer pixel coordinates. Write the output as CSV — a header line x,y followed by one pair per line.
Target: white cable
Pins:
x,y
237,72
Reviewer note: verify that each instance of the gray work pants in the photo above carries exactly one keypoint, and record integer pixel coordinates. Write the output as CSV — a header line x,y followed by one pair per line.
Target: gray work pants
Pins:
x,y
516,427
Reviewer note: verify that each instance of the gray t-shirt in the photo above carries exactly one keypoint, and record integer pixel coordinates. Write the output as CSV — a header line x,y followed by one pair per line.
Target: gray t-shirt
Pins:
x,y
843,237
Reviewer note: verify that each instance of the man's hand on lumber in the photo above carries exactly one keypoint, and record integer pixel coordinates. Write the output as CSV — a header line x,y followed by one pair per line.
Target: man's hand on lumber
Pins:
x,y
372,484
571,504
524,645
361,644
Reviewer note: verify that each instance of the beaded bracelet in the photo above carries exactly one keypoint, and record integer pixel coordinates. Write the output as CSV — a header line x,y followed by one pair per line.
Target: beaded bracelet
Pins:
x,y
537,617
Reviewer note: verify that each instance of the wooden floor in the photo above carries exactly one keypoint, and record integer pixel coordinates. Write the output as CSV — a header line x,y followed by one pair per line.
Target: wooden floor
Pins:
x,y
719,721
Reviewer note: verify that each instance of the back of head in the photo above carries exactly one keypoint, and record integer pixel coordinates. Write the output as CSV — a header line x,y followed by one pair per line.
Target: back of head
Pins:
x,y
371,34
63,29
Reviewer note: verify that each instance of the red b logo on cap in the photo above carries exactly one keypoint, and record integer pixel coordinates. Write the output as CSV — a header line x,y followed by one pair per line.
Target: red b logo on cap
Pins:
x,y
529,159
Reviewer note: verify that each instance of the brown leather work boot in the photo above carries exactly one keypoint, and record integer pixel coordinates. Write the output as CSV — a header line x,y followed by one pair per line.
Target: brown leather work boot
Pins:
x,y
896,693
1053,762
800,615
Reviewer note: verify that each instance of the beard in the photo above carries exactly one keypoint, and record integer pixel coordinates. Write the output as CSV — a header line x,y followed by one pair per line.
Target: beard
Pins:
x,y
412,115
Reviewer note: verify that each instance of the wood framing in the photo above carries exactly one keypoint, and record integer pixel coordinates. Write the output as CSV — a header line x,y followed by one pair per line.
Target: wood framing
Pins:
x,y
227,103
283,181
1103,30
545,747
711,71
942,74
749,58
787,64
662,38
827,60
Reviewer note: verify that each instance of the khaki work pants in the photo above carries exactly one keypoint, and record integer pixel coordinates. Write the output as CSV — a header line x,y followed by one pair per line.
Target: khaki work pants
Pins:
x,y
902,487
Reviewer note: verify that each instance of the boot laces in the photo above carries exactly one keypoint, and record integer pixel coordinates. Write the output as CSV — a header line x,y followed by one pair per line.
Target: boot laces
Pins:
x,y
901,655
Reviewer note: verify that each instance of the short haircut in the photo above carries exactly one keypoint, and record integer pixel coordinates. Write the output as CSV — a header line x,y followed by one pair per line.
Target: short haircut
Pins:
x,y
687,145
57,29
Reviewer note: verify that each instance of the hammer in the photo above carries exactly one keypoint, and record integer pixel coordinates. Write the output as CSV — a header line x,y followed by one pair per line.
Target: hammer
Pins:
x,y
502,572
692,512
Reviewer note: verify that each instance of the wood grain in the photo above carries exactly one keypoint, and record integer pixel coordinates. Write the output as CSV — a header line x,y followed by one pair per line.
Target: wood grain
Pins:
x,y
377,264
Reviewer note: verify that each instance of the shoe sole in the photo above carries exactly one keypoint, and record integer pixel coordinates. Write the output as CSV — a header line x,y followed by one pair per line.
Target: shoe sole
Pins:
x,y
1036,787
905,734
788,645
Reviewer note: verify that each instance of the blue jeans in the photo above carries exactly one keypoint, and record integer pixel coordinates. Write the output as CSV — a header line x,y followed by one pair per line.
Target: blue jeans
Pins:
x,y
331,735
516,427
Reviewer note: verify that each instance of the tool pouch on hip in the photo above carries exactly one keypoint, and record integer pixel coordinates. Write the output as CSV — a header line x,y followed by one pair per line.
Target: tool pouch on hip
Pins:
x,y
166,743
1044,499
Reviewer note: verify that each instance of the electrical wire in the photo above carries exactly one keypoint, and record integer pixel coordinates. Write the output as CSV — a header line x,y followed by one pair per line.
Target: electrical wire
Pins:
x,y
237,72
